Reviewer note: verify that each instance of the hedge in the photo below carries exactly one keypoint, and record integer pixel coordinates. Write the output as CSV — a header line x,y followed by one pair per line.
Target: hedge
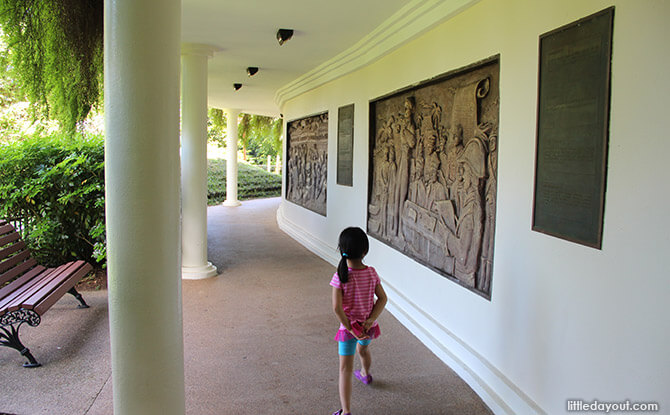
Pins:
x,y
53,187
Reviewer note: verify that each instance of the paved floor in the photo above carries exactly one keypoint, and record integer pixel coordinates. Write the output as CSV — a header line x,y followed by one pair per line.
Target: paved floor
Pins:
x,y
258,340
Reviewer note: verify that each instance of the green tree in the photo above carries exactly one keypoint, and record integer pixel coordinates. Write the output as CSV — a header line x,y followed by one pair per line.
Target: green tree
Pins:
x,y
9,89
216,126
258,135
16,122
261,134
245,130
274,140
56,55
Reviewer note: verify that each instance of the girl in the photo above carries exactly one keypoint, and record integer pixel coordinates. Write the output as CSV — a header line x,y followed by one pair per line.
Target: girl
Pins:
x,y
354,288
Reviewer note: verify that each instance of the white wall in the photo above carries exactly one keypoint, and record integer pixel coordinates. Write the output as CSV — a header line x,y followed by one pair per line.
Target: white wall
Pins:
x,y
565,321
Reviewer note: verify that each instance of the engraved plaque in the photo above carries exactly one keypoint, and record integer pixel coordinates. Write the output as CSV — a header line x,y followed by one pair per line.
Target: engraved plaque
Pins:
x,y
307,162
572,129
345,145
433,173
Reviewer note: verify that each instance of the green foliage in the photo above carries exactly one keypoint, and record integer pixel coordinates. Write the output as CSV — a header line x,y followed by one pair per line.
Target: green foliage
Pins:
x,y
260,135
56,54
253,182
216,126
15,119
55,185
275,142
9,89
244,133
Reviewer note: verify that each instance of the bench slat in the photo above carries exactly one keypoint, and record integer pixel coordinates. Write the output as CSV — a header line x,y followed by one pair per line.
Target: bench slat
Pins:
x,y
14,260
14,300
41,288
48,288
82,270
50,284
6,228
6,239
6,252
36,289
15,288
15,272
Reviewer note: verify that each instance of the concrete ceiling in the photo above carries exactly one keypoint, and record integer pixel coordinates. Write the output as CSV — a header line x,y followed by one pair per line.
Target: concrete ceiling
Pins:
x,y
244,33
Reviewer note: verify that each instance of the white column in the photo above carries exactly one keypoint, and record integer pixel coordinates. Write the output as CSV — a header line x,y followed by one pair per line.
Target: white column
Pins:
x,y
142,48
231,162
194,162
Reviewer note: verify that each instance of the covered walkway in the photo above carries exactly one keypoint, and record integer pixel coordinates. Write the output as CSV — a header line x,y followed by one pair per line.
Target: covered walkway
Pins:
x,y
257,339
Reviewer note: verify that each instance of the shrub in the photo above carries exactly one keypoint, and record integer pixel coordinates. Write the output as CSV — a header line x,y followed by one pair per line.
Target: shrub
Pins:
x,y
55,187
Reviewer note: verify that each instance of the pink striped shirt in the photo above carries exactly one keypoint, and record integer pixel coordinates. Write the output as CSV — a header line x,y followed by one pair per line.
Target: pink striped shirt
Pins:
x,y
358,297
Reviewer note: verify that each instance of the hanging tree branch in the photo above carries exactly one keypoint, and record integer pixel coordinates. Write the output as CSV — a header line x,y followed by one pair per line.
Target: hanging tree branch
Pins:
x,y
57,54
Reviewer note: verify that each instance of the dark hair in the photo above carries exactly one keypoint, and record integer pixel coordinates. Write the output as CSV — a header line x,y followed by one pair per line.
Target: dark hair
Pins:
x,y
353,244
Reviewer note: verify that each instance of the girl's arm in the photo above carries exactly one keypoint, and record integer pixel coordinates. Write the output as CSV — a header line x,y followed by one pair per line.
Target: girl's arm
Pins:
x,y
339,312
378,307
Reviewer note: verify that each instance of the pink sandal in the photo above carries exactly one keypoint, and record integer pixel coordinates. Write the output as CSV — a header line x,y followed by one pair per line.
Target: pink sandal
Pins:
x,y
365,379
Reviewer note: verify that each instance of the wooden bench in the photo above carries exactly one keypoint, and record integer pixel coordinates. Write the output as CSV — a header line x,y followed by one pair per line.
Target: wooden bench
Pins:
x,y
28,290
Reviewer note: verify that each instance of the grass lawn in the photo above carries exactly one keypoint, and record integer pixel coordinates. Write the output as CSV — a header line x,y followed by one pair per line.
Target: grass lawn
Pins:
x,y
252,182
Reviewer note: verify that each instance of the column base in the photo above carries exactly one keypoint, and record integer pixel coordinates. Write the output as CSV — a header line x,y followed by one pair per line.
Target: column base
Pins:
x,y
198,273
232,203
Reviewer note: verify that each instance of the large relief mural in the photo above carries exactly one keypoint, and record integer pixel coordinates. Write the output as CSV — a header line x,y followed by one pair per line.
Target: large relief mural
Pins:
x,y
433,166
307,162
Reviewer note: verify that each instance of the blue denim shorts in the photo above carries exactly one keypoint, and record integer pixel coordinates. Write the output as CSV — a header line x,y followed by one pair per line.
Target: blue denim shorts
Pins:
x,y
348,348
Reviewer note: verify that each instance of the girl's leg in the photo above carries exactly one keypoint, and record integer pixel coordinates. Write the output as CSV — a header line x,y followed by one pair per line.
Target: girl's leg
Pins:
x,y
366,359
346,369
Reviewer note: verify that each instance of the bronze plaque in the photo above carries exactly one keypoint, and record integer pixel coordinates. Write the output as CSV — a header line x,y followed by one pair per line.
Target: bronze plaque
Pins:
x,y
307,162
345,145
433,173
572,129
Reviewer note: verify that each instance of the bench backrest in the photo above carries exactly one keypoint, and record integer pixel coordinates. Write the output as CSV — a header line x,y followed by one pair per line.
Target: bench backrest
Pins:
x,y
15,259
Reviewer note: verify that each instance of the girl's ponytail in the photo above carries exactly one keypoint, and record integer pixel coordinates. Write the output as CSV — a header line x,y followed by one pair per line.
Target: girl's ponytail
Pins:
x,y
343,270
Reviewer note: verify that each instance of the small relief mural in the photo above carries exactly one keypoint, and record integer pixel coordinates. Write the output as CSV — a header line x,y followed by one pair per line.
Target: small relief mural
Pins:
x,y
307,162
433,166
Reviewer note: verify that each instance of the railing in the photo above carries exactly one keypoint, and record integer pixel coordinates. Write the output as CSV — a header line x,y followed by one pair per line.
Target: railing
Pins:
x,y
20,223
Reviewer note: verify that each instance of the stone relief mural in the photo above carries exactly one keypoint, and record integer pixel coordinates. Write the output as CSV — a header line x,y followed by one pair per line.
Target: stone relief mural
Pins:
x,y
433,166
307,151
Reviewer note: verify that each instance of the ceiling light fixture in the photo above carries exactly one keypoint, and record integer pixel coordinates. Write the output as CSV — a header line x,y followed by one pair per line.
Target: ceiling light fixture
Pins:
x,y
236,87
252,70
283,35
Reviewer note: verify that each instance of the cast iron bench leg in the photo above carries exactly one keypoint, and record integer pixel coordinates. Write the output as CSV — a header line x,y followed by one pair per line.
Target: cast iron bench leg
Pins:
x,y
10,338
82,303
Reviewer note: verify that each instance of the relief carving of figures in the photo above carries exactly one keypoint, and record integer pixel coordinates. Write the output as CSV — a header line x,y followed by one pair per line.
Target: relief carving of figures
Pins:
x,y
434,173
407,141
307,150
